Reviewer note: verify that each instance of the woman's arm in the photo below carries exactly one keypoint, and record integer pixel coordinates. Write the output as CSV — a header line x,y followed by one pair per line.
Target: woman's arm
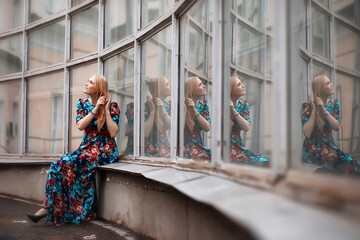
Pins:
x,y
83,123
162,113
240,120
203,122
150,121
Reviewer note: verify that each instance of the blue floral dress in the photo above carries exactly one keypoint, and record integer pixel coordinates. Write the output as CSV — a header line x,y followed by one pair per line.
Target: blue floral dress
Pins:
x,y
238,153
193,143
320,148
70,192
157,143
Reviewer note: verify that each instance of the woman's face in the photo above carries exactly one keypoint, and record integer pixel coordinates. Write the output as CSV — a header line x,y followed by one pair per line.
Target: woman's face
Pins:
x,y
200,89
328,89
239,89
90,88
166,89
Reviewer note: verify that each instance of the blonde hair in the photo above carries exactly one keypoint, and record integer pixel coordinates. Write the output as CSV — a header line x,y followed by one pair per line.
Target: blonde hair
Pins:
x,y
232,85
101,86
318,85
190,86
155,87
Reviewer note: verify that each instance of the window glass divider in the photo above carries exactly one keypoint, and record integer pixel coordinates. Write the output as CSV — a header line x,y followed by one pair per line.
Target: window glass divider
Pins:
x,y
66,110
137,98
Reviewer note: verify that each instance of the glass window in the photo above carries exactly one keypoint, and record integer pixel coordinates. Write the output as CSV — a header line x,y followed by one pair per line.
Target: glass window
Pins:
x,y
152,9
76,2
11,14
11,54
320,33
156,95
45,114
319,70
349,9
119,71
78,77
303,24
249,10
118,25
348,94
84,32
195,82
325,3
46,45
10,123
347,47
43,8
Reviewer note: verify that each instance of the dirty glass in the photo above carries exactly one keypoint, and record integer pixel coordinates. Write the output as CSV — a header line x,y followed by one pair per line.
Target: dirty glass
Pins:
x,y
11,14
43,8
11,54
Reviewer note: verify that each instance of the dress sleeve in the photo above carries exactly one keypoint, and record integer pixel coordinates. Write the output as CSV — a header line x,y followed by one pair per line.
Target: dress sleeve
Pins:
x,y
205,111
115,112
305,113
167,107
245,113
336,113
130,115
146,112
80,111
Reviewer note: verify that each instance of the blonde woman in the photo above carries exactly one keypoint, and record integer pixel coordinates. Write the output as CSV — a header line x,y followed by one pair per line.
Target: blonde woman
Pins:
x,y
197,119
319,118
240,121
70,187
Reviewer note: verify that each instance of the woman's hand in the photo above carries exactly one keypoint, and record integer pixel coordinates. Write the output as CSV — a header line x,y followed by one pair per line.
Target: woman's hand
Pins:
x,y
100,102
231,104
150,103
312,105
158,102
190,103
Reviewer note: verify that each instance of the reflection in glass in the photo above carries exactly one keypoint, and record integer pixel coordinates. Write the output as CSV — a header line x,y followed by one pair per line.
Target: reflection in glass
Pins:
x,y
76,2
155,117
11,55
324,2
320,116
349,9
197,120
11,14
45,114
46,45
196,49
84,34
240,121
250,10
118,20
78,77
303,23
151,9
44,8
320,33
318,70
347,47
10,103
119,71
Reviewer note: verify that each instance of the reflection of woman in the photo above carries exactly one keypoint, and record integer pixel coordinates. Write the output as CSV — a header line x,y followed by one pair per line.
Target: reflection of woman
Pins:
x,y
319,117
157,119
197,119
241,121
70,187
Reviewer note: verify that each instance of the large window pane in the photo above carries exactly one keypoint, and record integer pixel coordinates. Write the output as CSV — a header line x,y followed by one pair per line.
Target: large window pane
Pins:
x,y
303,24
250,10
84,34
44,8
347,47
119,71
10,125
151,9
46,45
320,33
78,77
11,55
195,82
118,25
319,70
156,95
76,2
349,9
11,14
45,114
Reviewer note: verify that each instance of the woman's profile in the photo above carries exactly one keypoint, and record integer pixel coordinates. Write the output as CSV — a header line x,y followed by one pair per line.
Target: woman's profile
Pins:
x,y
240,121
197,120
70,188
320,117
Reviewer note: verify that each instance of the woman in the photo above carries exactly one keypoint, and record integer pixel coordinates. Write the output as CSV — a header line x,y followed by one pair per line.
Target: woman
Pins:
x,y
70,187
197,119
240,120
319,118
157,119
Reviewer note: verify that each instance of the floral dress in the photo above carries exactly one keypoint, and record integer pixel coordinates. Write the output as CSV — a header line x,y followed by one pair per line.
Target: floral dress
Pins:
x,y
193,143
320,148
70,193
238,153
157,143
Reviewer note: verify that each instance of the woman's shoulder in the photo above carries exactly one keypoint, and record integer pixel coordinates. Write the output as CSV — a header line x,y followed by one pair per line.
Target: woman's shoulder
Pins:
x,y
305,104
82,101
